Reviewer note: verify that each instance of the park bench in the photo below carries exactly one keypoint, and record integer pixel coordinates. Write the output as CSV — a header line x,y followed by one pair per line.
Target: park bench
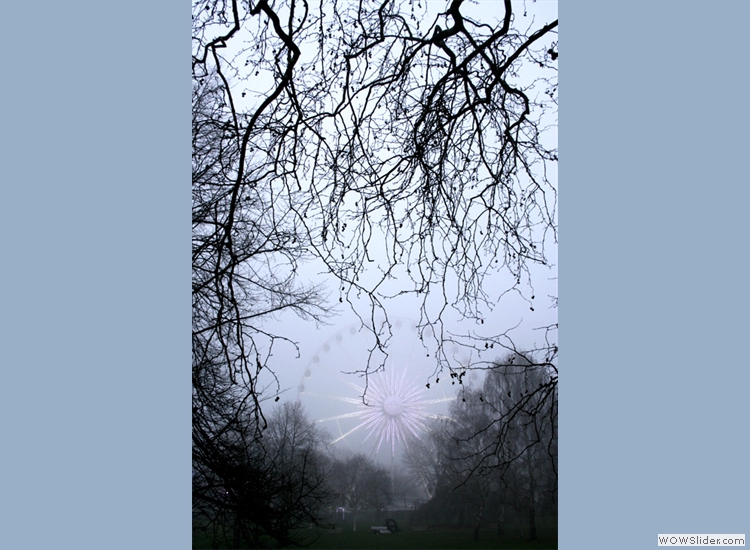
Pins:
x,y
390,527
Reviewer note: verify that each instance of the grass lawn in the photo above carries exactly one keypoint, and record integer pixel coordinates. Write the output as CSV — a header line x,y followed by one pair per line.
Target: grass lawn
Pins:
x,y
435,538
515,537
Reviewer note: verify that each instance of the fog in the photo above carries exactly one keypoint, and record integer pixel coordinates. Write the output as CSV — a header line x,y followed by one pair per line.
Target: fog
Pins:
x,y
322,372
389,302
320,369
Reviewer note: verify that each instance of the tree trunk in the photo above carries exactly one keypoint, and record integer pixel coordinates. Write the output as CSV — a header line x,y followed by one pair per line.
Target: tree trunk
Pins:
x,y
500,521
237,534
532,506
478,522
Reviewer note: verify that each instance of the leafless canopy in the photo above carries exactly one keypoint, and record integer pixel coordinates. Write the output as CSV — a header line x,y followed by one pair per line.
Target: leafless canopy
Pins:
x,y
407,152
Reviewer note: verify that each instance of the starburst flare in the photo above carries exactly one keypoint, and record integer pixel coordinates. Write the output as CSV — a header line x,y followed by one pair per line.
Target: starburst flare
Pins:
x,y
394,411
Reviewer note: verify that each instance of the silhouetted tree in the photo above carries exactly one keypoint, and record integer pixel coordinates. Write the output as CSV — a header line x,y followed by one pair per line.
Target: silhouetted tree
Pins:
x,y
361,485
257,493
513,439
463,453
407,490
422,458
407,151
523,398
498,451
243,272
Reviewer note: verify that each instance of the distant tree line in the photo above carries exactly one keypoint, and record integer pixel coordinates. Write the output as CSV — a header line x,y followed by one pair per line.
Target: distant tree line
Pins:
x,y
360,484
492,461
408,153
496,458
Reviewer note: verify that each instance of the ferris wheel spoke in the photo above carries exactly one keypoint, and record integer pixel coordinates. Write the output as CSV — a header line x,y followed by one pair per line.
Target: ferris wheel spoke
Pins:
x,y
342,416
354,429
438,400
387,410
335,397
439,417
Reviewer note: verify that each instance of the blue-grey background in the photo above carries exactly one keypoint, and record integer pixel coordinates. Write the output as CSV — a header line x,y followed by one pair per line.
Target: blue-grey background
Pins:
x,y
653,271
95,387
95,294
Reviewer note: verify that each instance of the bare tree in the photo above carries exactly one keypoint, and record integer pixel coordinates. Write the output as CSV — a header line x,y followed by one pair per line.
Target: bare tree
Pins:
x,y
512,441
498,451
461,454
253,493
243,274
244,263
523,398
406,151
422,458
410,153
407,490
361,485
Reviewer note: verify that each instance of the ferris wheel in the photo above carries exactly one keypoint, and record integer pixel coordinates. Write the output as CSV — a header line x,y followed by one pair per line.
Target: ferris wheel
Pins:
x,y
380,414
